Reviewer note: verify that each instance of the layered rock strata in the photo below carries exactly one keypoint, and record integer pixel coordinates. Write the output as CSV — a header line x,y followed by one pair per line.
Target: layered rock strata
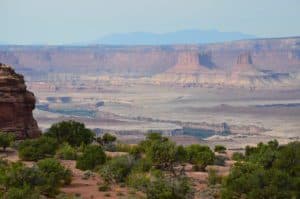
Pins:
x,y
16,105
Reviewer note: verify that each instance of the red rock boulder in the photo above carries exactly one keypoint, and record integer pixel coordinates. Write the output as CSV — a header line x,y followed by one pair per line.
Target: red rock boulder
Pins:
x,y
16,105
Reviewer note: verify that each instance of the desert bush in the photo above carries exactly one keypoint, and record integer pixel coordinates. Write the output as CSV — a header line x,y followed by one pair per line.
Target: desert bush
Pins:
x,y
6,139
288,159
213,177
21,193
181,154
220,149
162,154
268,171
237,156
55,174
19,181
120,147
170,188
72,132
91,157
107,141
117,169
160,150
37,149
104,187
136,151
263,154
200,156
138,180
142,165
66,152
108,138
16,175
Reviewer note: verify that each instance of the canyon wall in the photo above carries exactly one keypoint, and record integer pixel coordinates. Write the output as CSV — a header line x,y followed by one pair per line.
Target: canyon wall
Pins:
x,y
281,55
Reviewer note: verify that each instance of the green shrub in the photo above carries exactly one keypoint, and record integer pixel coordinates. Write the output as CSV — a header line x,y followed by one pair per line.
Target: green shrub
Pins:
x,y
6,139
161,152
91,157
21,193
220,149
72,132
138,180
142,165
170,188
237,156
181,154
117,169
213,177
200,156
136,151
123,147
37,149
18,181
263,154
104,187
107,141
108,138
55,174
16,175
268,171
288,159
66,152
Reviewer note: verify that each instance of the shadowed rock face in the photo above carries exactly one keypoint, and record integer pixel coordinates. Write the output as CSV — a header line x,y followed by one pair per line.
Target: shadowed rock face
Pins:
x,y
16,105
244,58
189,63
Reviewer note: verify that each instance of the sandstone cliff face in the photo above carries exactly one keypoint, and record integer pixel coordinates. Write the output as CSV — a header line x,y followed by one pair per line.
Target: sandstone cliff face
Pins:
x,y
16,105
272,62
244,66
192,68
281,55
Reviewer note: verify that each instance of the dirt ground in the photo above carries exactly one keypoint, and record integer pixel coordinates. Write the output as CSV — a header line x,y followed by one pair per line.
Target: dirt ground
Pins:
x,y
88,188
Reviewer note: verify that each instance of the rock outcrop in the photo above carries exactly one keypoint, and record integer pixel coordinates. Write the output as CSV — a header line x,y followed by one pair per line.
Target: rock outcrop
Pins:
x,y
244,59
16,105
246,74
244,66
191,68
188,63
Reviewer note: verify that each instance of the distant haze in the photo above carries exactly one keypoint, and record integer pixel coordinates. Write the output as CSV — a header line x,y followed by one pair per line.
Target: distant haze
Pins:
x,y
179,37
76,21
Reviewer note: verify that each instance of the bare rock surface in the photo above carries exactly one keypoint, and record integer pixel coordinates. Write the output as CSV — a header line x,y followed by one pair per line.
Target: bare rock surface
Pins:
x,y
16,105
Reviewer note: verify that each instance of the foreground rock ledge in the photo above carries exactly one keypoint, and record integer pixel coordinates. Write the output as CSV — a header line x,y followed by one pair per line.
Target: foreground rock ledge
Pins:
x,y
16,105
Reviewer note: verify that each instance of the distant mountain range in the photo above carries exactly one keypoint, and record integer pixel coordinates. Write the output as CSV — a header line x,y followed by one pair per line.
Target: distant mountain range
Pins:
x,y
178,37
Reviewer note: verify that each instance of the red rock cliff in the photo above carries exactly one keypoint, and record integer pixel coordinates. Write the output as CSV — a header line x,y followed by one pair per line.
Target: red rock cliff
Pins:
x,y
16,105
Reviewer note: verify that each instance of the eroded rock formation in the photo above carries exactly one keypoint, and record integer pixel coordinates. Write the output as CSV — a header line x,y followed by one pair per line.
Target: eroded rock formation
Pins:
x,y
188,62
16,105
191,68
244,66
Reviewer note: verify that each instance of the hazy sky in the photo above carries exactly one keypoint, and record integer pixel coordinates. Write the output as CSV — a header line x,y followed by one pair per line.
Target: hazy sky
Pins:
x,y
68,21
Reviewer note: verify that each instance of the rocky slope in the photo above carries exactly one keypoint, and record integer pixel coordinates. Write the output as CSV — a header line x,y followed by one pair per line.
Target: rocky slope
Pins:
x,y
16,105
